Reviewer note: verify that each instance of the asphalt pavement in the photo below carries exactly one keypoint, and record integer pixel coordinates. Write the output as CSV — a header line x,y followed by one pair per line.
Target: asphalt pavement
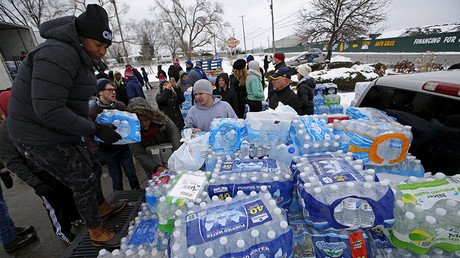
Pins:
x,y
26,209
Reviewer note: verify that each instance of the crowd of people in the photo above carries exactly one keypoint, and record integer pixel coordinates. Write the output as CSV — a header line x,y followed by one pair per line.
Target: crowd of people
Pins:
x,y
49,120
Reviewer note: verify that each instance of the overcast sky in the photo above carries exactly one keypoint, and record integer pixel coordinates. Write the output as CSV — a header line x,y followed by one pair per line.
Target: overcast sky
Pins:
x,y
257,20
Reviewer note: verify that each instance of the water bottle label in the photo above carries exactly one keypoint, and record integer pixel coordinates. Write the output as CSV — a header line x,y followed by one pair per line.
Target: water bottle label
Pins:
x,y
428,193
333,170
144,232
334,245
379,238
238,166
223,220
188,187
275,248
448,239
280,191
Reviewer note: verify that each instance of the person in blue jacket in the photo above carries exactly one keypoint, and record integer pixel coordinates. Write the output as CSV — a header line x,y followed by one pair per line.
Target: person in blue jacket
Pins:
x,y
133,86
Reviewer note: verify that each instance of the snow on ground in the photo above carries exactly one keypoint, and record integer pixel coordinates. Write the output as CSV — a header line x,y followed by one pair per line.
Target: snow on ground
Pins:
x,y
340,59
366,70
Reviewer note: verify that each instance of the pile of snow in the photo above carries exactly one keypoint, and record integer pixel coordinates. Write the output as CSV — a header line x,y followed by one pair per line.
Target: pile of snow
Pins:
x,y
366,70
340,59
424,30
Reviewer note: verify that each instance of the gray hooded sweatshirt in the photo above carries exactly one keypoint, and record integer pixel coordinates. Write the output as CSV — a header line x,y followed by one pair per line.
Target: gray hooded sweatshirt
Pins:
x,y
200,117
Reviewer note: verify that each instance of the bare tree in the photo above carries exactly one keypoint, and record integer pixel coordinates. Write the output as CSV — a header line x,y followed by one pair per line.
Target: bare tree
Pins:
x,y
170,40
32,12
193,25
335,20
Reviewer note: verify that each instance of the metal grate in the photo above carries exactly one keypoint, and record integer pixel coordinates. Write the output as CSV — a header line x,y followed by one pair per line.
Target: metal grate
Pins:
x,y
82,246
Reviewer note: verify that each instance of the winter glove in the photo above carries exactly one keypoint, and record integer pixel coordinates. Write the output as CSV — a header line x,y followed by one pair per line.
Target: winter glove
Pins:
x,y
106,132
43,190
6,178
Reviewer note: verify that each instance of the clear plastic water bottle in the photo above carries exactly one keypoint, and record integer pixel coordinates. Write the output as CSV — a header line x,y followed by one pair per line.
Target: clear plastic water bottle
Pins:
x,y
350,217
366,214
283,153
244,149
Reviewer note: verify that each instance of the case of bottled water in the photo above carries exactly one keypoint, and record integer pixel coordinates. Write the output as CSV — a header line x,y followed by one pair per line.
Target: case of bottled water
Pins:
x,y
354,244
409,167
268,128
244,226
338,193
182,190
253,175
376,143
369,114
128,126
311,134
427,212
226,134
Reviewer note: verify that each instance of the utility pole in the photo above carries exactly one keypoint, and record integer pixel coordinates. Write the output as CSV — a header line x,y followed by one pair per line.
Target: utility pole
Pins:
x,y
121,34
244,35
273,27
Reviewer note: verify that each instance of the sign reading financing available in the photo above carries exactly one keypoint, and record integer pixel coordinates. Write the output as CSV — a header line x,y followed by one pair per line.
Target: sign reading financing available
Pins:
x,y
232,42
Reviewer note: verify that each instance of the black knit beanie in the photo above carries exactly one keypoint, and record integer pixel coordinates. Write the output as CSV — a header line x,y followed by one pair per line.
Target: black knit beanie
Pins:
x,y
94,24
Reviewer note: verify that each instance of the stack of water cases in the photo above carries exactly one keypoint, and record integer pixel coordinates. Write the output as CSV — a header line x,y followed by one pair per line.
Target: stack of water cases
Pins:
x,y
128,125
244,226
427,215
337,193
311,134
249,175
326,100
378,140
187,103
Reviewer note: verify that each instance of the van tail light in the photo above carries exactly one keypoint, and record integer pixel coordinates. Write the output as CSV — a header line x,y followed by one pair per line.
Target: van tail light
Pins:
x,y
451,89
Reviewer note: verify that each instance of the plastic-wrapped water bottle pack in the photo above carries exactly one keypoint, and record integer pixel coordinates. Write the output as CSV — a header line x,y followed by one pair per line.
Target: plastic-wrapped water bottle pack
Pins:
x,y
374,143
244,226
370,114
128,126
427,212
226,134
338,193
409,167
311,134
253,175
344,244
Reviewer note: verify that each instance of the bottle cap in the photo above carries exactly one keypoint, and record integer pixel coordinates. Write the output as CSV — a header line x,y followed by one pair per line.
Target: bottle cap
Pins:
x,y
367,185
192,250
253,193
317,190
409,215
223,240
284,224
240,243
441,211
254,233
271,234
334,187
451,203
228,199
203,205
178,212
430,220
177,223
209,252
277,211
400,204
176,233
273,202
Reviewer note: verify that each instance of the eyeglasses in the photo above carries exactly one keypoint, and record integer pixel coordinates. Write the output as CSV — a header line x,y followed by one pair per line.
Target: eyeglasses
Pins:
x,y
109,90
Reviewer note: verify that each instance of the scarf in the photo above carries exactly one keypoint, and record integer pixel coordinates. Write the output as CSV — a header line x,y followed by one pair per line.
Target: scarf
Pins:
x,y
150,134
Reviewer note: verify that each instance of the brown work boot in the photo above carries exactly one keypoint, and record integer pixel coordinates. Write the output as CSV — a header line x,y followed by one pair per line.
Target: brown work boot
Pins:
x,y
108,209
101,236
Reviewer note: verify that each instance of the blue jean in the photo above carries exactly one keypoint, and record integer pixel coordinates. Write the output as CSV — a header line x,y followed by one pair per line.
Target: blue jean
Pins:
x,y
7,228
122,158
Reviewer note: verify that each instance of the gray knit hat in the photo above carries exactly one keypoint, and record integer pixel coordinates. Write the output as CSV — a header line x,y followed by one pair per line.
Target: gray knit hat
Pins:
x,y
202,86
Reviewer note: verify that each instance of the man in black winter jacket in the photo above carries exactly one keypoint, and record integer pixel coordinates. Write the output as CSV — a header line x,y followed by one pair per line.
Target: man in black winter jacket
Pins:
x,y
281,80
48,112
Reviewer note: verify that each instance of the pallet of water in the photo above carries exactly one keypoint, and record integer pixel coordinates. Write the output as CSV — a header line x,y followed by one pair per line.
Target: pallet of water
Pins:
x,y
244,226
311,134
427,212
375,143
250,175
336,192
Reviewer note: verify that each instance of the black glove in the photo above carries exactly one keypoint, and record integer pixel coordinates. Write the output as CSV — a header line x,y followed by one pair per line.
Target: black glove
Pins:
x,y
106,132
6,178
43,190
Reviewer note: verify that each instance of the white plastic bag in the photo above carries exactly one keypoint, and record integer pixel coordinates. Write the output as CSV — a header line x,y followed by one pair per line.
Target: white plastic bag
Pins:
x,y
190,155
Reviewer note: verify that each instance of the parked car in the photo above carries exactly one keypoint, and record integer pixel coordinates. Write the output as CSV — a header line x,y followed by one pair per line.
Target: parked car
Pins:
x,y
314,55
430,103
